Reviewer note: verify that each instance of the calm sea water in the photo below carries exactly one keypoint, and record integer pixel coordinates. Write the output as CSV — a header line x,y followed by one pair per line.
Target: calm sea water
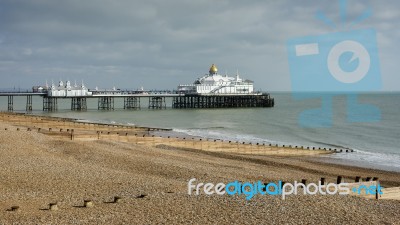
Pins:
x,y
376,144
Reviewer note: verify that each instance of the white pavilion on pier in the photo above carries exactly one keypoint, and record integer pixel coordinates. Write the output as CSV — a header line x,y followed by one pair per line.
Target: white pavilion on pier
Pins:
x,y
214,83
68,90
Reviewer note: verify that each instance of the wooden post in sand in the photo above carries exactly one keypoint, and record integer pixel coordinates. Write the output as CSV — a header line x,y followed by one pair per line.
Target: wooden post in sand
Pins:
x,y
53,206
144,141
117,199
283,183
376,191
88,203
257,148
72,134
14,208
339,180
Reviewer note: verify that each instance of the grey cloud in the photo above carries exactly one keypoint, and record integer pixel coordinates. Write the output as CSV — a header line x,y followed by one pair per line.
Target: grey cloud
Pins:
x,y
159,44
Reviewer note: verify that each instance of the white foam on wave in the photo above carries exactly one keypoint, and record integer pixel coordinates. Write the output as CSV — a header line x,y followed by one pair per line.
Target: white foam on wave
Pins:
x,y
377,160
225,135
385,161
105,122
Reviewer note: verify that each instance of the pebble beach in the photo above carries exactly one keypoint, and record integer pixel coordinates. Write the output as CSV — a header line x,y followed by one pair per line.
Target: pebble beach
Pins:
x,y
144,182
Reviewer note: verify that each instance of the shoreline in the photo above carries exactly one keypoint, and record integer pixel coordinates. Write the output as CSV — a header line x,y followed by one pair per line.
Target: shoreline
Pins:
x,y
319,155
72,129
170,132
338,159
363,158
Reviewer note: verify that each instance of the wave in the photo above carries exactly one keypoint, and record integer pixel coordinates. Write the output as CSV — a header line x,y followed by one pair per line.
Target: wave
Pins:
x,y
385,161
377,160
230,135
206,128
101,121
223,134
332,145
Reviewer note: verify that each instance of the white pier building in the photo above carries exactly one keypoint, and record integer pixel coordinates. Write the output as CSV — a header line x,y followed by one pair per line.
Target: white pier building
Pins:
x,y
214,83
67,90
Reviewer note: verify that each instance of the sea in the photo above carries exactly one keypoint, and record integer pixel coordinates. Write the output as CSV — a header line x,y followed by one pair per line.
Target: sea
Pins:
x,y
375,143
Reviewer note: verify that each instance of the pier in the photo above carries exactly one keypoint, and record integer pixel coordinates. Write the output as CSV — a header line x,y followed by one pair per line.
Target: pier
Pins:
x,y
212,90
156,100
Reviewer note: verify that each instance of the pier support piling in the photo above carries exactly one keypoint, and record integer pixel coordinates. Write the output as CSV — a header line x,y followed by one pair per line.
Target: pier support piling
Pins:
x,y
78,103
222,101
131,102
106,103
29,103
49,104
10,103
157,103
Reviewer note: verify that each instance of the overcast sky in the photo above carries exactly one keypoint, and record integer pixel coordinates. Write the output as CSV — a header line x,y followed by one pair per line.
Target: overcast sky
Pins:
x,y
159,44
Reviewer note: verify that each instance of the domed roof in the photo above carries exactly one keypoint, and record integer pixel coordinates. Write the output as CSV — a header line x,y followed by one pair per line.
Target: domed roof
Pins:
x,y
213,69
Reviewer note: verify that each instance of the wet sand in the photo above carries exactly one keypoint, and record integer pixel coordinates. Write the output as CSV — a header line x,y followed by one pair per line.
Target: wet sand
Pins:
x,y
150,175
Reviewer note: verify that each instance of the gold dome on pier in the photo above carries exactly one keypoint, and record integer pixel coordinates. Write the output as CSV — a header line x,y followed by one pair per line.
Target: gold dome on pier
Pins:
x,y
213,69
